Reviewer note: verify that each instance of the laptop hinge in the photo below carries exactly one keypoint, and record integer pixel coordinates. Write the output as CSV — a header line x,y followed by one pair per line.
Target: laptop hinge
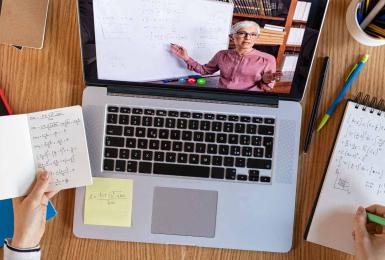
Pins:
x,y
205,95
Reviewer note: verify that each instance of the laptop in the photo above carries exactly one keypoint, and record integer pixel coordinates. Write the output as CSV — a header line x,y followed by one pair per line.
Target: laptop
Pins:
x,y
211,166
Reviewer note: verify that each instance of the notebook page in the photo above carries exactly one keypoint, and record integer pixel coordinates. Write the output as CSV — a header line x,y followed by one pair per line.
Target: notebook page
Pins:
x,y
355,177
17,167
59,146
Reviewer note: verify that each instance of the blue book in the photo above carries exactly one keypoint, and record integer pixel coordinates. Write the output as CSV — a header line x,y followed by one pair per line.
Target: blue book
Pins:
x,y
6,219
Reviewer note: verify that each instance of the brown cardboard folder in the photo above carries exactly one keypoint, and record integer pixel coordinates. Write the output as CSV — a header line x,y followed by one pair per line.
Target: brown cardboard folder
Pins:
x,y
23,22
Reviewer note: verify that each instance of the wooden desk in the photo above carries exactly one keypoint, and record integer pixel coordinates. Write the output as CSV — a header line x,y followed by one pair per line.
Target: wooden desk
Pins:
x,y
52,77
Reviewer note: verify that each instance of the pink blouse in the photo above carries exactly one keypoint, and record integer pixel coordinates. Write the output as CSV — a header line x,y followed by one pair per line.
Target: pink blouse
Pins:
x,y
241,72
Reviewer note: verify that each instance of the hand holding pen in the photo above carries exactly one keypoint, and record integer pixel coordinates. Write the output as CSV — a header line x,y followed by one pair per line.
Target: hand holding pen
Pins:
x,y
179,51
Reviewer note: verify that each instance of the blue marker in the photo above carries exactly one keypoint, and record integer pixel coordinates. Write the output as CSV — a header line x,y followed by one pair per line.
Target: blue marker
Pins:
x,y
349,81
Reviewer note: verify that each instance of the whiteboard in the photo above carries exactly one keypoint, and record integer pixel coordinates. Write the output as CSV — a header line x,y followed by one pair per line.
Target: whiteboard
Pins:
x,y
133,36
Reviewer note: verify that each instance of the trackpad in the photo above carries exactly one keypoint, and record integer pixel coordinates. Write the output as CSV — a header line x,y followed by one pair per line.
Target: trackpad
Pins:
x,y
184,212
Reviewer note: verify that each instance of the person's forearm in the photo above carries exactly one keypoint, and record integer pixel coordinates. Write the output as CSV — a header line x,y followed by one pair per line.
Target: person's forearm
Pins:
x,y
198,68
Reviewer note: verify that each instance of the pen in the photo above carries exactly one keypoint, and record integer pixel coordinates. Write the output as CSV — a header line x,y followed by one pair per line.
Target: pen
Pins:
x,y
324,72
349,81
375,218
373,13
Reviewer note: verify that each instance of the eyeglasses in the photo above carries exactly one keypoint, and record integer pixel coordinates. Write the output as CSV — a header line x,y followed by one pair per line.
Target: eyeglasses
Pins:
x,y
243,34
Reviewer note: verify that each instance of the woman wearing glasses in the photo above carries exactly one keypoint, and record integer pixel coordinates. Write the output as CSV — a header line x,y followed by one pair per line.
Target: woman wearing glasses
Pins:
x,y
243,68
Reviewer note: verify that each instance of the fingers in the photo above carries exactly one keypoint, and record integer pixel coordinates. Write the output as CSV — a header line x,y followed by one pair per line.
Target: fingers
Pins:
x,y
359,225
39,188
374,228
377,210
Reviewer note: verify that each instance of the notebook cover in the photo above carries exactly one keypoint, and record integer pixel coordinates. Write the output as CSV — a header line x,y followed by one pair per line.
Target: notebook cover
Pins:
x,y
23,22
6,222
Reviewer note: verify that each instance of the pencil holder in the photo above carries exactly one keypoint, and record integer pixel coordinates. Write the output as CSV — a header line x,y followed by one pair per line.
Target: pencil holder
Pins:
x,y
354,27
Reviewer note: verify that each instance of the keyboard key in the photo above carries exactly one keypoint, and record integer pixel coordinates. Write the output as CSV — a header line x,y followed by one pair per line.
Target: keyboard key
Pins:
x,y
189,147
158,122
185,114
112,118
108,165
205,159
124,119
212,149
173,113
269,121
147,121
175,134
137,111
132,166
233,139
131,143
161,112
187,135
251,129
268,143
112,109
120,166
217,160
165,145
181,123
233,118
177,146
229,161
205,125
258,152
217,126
194,159
181,170
253,175
136,154
145,167
240,128
193,124
265,179
217,173
259,164
128,131
135,120
147,155
154,144
209,116
221,117
244,139
266,130
245,119
152,133
210,137
257,120
240,162
228,127
230,174
159,156
164,133
170,157
200,148
198,136
114,141
247,151
256,141
182,157
114,130
125,110
140,132
235,150
197,115
221,138
111,153
124,154
170,122
241,177
142,143
149,112
224,149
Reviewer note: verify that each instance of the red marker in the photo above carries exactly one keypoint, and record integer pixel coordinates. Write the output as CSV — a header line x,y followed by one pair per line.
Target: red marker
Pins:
x,y
191,80
4,102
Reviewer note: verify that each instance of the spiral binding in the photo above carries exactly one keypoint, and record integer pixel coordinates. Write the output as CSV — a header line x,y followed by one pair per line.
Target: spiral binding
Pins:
x,y
372,104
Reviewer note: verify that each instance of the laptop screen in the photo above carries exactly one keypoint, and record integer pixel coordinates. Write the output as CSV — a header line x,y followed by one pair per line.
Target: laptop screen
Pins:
x,y
255,47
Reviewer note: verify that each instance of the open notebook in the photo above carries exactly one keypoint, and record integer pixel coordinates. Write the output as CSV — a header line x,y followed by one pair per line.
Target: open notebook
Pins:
x,y
355,176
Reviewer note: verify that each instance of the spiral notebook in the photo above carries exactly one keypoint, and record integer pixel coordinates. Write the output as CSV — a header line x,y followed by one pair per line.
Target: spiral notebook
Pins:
x,y
355,175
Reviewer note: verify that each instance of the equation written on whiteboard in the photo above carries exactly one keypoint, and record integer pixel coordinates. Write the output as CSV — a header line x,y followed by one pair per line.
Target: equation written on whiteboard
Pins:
x,y
359,156
58,143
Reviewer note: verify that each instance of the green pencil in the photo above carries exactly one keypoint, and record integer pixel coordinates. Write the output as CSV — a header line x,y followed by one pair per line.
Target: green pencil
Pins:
x,y
376,219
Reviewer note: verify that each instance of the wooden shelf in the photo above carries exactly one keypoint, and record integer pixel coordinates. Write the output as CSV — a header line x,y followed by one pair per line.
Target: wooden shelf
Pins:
x,y
298,21
272,18
293,47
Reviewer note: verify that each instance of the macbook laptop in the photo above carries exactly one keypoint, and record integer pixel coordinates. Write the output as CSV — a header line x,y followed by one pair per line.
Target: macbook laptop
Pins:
x,y
213,164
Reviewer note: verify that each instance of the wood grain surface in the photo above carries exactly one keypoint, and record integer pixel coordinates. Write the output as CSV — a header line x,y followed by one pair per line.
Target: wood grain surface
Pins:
x,y
42,79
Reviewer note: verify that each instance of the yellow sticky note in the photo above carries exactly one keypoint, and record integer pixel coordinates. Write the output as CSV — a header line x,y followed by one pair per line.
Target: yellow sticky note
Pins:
x,y
108,202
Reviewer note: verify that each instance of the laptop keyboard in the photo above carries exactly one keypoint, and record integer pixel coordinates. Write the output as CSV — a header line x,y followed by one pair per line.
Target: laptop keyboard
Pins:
x,y
189,143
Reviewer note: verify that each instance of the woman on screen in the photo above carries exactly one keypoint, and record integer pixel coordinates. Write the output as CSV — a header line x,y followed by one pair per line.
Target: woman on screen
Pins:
x,y
243,68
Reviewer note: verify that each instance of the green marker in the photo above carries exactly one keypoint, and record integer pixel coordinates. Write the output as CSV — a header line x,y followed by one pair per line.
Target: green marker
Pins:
x,y
201,81
376,219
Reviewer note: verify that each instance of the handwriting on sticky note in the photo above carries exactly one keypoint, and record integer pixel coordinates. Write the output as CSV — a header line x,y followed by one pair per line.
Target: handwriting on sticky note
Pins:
x,y
59,146
108,202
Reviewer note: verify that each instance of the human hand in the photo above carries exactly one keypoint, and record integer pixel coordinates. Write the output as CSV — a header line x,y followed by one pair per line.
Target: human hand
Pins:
x,y
269,77
369,237
179,51
30,214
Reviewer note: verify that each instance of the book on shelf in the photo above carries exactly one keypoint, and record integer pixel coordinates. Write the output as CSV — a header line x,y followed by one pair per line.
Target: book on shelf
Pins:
x,y
274,27
295,37
302,11
257,7
289,65
270,37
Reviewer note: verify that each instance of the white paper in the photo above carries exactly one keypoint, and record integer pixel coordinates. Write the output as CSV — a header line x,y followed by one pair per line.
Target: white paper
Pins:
x,y
59,146
133,37
17,167
355,177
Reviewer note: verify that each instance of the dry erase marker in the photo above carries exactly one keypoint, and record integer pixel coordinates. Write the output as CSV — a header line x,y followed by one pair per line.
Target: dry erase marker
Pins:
x,y
376,219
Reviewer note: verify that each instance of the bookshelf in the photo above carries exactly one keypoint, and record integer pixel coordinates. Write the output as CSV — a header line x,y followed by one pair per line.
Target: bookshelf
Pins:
x,y
265,17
